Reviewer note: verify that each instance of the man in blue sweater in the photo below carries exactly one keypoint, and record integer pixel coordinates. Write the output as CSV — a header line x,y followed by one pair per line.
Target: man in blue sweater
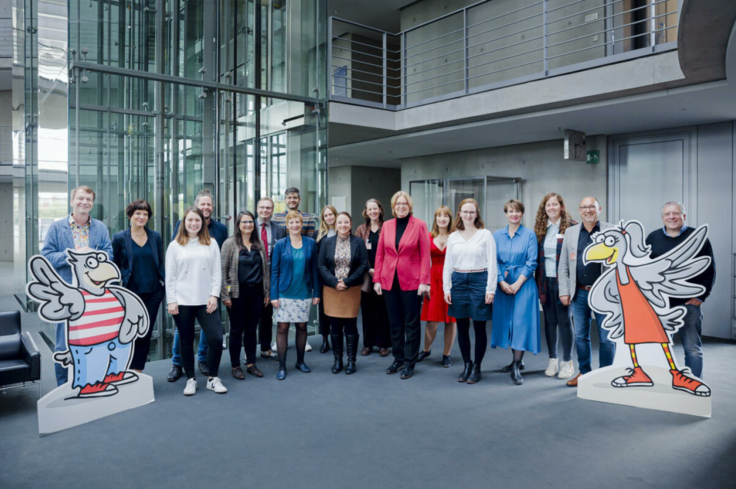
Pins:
x,y
674,232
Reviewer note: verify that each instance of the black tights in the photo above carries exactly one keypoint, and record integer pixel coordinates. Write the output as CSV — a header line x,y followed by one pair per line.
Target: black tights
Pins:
x,y
463,339
518,355
282,338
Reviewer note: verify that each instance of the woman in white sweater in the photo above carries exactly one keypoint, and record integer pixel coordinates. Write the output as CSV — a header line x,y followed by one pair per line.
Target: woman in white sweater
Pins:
x,y
193,277
469,283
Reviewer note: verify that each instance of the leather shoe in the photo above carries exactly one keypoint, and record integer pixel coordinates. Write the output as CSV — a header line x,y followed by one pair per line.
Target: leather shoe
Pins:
x,y
238,373
281,375
366,351
325,346
407,373
303,367
269,355
466,372
516,377
510,367
574,381
475,376
446,361
174,374
394,368
204,368
383,352
423,354
254,371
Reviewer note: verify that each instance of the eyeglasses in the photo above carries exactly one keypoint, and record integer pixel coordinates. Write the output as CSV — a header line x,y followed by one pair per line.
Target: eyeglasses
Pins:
x,y
588,207
401,204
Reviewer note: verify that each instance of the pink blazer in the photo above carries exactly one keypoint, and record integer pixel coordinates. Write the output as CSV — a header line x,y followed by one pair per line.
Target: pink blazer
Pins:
x,y
412,260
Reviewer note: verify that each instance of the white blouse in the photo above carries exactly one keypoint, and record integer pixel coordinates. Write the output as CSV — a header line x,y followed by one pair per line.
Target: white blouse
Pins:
x,y
478,253
193,272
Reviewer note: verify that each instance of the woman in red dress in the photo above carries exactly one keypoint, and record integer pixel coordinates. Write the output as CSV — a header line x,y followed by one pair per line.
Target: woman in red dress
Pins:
x,y
434,310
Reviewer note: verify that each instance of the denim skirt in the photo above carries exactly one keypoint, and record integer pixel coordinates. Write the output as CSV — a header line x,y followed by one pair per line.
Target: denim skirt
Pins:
x,y
468,296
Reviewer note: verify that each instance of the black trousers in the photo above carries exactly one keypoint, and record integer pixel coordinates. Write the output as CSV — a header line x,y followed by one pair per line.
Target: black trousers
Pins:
x,y
151,301
404,308
347,326
244,315
324,320
265,328
212,327
376,326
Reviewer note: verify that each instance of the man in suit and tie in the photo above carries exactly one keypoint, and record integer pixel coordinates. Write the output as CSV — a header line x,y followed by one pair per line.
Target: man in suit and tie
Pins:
x,y
78,232
575,281
269,232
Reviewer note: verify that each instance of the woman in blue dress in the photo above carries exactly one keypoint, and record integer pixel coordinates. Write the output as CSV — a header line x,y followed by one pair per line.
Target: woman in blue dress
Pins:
x,y
516,309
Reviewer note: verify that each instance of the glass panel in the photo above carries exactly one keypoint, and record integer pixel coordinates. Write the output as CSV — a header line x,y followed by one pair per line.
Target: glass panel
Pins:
x,y
498,192
427,195
467,188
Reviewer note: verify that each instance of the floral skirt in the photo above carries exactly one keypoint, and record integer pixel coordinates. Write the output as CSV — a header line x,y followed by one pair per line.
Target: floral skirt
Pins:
x,y
293,310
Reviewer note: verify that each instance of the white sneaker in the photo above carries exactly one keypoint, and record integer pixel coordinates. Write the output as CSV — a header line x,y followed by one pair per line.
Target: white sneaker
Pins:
x,y
215,384
308,347
566,370
191,388
273,347
551,367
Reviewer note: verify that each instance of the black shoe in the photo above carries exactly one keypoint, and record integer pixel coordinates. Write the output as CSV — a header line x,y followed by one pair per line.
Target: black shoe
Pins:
x,y
475,376
407,373
351,342
515,374
395,367
466,372
175,373
446,361
204,368
423,354
510,366
303,367
325,346
337,352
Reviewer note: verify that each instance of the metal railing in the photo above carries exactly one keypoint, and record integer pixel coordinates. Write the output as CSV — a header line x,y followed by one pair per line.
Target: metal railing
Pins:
x,y
491,44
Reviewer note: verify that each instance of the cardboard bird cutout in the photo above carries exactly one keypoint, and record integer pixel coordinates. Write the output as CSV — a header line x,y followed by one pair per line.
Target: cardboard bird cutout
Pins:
x,y
101,323
633,295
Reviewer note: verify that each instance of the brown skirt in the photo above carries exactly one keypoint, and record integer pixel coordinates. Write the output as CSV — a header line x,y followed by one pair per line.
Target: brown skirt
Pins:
x,y
341,303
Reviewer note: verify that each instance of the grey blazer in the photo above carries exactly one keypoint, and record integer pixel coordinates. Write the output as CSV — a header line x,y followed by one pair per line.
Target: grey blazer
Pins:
x,y
568,268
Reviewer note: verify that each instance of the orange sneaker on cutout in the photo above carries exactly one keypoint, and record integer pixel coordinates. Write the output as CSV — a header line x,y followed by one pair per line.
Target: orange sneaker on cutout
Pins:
x,y
636,378
682,381
98,390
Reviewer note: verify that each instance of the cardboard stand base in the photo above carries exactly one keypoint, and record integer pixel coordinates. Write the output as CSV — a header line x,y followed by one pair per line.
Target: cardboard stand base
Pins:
x,y
596,386
61,409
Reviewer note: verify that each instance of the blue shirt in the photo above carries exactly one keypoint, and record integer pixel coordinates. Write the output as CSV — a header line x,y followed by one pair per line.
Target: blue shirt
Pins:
x,y
298,286
144,276
682,230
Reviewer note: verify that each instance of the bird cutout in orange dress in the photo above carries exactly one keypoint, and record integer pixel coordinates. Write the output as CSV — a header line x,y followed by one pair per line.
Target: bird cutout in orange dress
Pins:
x,y
633,295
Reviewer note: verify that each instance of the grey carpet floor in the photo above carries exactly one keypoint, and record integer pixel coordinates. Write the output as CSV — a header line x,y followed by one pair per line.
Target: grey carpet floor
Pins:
x,y
368,430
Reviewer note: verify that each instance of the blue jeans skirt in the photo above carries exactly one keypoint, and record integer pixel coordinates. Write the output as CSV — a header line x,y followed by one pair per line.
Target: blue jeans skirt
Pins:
x,y
469,296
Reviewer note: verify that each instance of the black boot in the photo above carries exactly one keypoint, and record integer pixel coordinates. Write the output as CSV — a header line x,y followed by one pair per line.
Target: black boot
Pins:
x,y
515,373
337,351
510,367
466,372
352,347
325,344
475,376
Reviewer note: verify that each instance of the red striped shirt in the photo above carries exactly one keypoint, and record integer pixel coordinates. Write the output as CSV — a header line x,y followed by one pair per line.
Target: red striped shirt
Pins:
x,y
100,322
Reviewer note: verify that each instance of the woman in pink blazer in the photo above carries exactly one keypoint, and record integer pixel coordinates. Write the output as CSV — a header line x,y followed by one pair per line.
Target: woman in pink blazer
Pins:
x,y
401,275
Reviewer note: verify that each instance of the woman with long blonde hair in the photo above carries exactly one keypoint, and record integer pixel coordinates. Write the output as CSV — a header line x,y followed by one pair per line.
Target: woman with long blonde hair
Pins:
x,y
550,225
326,230
434,309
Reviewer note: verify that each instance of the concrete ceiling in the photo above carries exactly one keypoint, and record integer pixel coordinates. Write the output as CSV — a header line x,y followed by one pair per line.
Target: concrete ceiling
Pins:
x,y
380,14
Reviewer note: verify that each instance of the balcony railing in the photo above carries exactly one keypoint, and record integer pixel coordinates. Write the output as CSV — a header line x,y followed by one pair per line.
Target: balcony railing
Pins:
x,y
492,44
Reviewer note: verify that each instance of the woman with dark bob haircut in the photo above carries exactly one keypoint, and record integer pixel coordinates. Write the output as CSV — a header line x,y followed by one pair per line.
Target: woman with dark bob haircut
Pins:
x,y
138,253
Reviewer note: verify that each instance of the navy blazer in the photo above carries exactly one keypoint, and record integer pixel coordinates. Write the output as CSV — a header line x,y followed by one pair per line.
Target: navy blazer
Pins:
x,y
122,246
358,262
281,264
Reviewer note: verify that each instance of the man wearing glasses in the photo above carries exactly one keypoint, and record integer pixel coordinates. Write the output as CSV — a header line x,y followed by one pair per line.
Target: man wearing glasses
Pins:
x,y
576,279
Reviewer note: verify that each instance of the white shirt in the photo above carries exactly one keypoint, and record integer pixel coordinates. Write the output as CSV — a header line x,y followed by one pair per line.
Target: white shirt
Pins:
x,y
193,273
550,248
478,253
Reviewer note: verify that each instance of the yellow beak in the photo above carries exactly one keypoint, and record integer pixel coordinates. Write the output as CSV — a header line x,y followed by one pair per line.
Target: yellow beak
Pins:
x,y
101,275
601,252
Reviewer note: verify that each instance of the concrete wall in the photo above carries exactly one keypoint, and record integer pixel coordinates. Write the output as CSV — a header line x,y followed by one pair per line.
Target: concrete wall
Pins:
x,y
6,221
360,183
540,166
6,126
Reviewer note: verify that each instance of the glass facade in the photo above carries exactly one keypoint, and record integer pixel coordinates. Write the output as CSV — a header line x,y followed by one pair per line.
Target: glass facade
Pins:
x,y
159,99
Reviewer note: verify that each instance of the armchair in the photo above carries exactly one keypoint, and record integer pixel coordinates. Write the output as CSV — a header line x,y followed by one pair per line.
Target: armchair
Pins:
x,y
20,360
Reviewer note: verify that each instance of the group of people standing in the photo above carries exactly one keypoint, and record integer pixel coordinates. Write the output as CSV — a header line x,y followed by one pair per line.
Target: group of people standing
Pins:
x,y
397,272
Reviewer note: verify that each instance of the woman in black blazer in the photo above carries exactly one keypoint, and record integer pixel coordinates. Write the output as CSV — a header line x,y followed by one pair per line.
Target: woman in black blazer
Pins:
x,y
138,253
343,260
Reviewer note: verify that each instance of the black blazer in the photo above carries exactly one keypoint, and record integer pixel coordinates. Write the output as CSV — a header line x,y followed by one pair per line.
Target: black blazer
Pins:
x,y
122,252
277,232
358,262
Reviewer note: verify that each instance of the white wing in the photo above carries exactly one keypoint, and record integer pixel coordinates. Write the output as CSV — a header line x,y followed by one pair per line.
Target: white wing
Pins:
x,y
605,299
